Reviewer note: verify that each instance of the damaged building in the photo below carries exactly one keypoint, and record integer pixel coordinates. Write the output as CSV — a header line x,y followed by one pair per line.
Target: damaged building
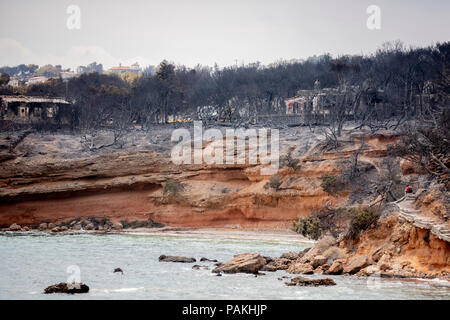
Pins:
x,y
28,109
320,102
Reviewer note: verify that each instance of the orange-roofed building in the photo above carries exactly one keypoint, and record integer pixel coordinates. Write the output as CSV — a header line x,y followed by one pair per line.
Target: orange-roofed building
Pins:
x,y
134,68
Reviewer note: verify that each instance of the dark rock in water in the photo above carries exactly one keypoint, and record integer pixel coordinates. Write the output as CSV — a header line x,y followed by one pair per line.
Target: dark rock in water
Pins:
x,y
207,260
164,258
283,277
301,281
218,264
116,270
197,267
70,288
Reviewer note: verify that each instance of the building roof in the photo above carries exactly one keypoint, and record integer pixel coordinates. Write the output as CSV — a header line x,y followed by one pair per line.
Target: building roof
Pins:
x,y
39,77
29,99
120,68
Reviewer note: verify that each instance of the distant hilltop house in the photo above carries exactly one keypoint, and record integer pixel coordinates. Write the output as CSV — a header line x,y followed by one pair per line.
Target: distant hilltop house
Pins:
x,y
36,80
64,75
28,109
134,68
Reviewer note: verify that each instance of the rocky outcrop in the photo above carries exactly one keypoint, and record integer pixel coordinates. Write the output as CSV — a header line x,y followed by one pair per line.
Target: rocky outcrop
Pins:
x,y
355,264
303,268
15,227
393,248
304,282
243,263
70,288
336,268
318,260
117,226
164,258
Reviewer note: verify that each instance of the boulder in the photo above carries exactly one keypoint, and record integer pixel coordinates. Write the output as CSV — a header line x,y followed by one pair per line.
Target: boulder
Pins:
x,y
370,270
318,261
51,225
336,268
377,253
15,227
164,258
277,264
89,226
74,222
309,255
243,263
64,287
25,229
270,267
322,269
290,255
63,228
303,252
117,226
356,264
301,281
269,259
43,226
302,268
56,229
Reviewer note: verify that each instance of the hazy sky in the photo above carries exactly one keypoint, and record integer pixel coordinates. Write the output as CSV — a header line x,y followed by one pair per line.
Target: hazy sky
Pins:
x,y
208,31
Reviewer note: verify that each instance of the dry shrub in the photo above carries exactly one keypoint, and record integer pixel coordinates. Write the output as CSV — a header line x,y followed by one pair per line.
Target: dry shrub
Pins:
x,y
289,161
173,187
308,227
332,184
274,183
363,218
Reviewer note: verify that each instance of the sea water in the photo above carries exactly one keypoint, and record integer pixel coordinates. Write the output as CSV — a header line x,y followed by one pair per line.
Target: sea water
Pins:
x,y
31,262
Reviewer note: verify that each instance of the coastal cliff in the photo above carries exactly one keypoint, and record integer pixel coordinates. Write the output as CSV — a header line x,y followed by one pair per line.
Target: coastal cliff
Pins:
x,y
43,186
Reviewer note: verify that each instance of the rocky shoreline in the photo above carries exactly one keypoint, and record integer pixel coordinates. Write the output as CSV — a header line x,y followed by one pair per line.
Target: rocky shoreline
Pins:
x,y
389,250
81,225
394,248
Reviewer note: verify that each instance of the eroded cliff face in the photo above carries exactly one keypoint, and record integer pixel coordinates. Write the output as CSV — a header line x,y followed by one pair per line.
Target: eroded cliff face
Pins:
x,y
398,248
129,186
